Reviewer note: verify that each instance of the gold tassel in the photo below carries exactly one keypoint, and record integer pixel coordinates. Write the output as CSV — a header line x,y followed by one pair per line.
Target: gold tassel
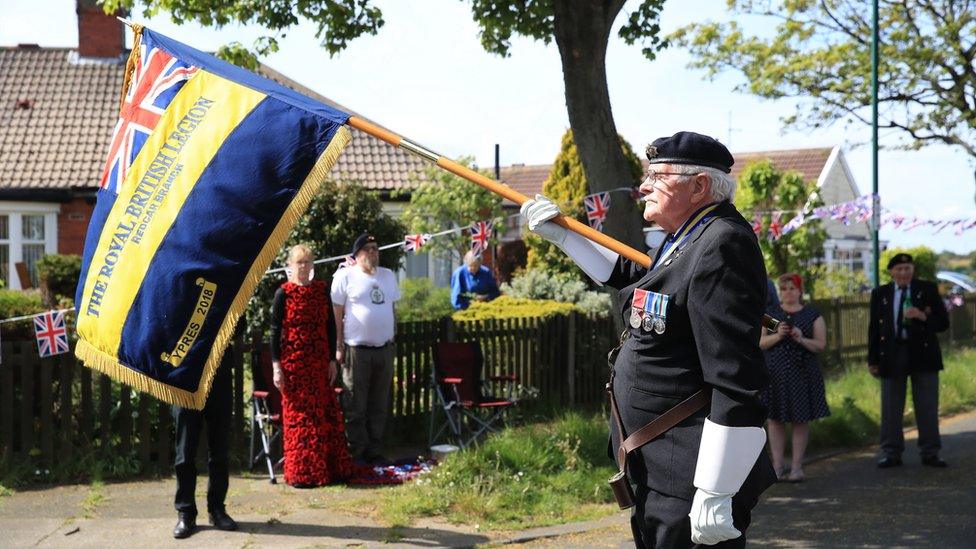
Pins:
x,y
130,64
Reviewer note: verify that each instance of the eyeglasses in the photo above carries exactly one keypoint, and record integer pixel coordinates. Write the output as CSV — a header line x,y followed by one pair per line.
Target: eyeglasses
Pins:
x,y
657,176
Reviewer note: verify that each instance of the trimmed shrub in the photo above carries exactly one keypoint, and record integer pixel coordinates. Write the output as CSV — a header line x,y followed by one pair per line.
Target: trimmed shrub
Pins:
x,y
18,303
512,307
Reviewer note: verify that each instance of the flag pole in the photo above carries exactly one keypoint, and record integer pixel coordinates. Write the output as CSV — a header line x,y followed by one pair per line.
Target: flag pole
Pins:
x,y
497,188
507,192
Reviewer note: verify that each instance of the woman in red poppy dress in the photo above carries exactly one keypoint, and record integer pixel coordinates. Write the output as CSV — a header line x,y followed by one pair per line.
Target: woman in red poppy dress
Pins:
x,y
302,352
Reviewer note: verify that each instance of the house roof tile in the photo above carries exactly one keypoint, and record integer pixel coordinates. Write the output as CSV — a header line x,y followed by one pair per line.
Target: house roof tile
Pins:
x,y
57,116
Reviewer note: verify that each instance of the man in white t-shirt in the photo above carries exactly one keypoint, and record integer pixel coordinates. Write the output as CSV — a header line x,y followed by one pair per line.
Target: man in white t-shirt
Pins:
x,y
363,298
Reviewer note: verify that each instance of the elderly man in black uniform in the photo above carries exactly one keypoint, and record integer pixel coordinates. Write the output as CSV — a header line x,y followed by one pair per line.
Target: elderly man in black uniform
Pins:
x,y
694,321
906,315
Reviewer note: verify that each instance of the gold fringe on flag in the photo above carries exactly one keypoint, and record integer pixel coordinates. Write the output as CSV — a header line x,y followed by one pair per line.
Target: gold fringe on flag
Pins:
x,y
110,365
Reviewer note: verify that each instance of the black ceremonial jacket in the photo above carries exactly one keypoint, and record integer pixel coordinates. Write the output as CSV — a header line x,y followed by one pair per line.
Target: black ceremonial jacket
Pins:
x,y
923,344
716,284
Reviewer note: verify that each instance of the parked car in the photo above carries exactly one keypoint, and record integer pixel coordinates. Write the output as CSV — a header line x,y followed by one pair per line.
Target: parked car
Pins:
x,y
957,282
955,286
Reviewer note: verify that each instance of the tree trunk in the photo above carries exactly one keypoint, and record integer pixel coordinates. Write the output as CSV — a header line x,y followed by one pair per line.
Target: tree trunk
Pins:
x,y
582,30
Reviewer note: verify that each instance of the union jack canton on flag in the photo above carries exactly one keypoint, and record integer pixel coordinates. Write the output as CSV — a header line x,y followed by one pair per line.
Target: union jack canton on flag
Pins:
x,y
52,336
157,77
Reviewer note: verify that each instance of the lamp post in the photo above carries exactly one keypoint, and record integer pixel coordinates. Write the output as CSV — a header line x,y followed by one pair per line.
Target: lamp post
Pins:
x,y
876,200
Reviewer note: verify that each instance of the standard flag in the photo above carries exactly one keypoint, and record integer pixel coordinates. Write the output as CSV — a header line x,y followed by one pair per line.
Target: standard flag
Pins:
x,y
208,170
52,336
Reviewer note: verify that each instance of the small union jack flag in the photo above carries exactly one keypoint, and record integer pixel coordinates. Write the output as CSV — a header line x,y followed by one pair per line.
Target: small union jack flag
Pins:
x,y
480,234
775,229
757,224
597,206
52,336
413,242
155,81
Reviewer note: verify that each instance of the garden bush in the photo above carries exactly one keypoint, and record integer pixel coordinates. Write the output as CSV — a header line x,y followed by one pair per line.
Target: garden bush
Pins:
x,y
59,277
563,287
512,307
420,300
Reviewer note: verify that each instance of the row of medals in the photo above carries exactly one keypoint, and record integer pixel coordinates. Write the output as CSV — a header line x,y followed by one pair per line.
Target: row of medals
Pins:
x,y
647,321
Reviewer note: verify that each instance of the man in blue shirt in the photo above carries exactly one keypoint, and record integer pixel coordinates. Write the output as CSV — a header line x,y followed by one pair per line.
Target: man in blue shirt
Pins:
x,y
472,281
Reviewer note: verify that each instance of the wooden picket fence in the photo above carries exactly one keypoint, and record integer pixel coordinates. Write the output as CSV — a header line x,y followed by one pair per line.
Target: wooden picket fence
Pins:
x,y
847,327
54,410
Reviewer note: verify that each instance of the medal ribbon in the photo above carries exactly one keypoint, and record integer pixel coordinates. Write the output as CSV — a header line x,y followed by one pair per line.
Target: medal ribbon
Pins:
x,y
657,306
683,234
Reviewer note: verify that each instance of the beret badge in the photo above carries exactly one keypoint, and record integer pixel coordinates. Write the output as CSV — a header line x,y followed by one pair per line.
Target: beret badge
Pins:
x,y
651,152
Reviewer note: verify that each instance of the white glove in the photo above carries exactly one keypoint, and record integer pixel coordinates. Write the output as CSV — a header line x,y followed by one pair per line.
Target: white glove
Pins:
x,y
725,457
537,212
595,260
711,518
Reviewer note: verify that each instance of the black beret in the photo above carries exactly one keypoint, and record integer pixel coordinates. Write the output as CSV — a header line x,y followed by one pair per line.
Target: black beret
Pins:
x,y
898,259
361,241
690,148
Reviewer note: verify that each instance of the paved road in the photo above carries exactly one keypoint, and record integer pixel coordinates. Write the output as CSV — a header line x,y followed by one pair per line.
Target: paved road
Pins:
x,y
848,502
845,502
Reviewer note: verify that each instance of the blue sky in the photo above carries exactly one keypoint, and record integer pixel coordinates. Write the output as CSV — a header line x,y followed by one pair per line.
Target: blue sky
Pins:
x,y
426,76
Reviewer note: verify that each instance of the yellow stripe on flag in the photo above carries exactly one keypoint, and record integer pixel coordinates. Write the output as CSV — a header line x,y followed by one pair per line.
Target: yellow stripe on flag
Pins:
x,y
188,135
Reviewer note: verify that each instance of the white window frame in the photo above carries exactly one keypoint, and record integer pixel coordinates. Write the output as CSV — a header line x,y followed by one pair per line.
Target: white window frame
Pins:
x,y
15,212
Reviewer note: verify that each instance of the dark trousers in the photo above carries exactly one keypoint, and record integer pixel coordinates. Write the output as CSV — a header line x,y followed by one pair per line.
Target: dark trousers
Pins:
x,y
925,398
661,521
189,423
368,378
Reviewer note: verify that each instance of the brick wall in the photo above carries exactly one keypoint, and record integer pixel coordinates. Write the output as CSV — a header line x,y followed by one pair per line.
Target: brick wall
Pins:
x,y
73,224
99,35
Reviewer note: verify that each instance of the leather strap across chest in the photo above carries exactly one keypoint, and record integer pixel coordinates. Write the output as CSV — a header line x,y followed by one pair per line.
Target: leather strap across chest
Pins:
x,y
655,428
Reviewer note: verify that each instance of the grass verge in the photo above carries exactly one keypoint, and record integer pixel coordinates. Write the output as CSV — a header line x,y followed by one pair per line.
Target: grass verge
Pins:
x,y
533,475
555,472
854,397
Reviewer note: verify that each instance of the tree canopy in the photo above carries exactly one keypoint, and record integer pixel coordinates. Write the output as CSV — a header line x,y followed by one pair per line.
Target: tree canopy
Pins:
x,y
581,30
763,190
819,53
442,200
923,257
567,187
336,216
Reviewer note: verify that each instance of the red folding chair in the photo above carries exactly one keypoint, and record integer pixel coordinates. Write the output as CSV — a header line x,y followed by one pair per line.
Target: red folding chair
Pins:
x,y
458,388
266,426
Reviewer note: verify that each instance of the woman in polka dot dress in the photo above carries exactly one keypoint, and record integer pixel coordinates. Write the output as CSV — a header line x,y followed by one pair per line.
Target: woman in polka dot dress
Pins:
x,y
796,386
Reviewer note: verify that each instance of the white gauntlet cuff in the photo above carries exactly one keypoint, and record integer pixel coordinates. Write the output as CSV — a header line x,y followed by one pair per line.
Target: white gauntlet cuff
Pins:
x,y
726,456
595,260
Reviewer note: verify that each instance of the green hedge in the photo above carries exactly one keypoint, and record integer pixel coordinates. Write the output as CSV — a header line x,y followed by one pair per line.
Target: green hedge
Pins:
x,y
512,307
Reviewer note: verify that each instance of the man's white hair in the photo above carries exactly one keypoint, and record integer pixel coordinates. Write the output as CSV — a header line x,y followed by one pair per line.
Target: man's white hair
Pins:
x,y
470,257
723,186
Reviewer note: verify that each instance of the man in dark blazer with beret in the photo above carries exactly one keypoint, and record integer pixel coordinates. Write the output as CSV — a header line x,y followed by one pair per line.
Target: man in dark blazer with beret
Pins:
x,y
694,319
906,315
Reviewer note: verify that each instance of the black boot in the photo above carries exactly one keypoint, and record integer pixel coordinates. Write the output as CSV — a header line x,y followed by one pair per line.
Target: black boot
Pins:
x,y
222,521
186,524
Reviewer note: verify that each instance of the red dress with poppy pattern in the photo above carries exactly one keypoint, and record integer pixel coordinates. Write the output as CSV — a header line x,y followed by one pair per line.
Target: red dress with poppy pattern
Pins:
x,y
314,434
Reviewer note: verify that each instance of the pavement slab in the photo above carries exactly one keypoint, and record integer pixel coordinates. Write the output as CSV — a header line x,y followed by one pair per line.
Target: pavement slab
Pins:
x,y
845,502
